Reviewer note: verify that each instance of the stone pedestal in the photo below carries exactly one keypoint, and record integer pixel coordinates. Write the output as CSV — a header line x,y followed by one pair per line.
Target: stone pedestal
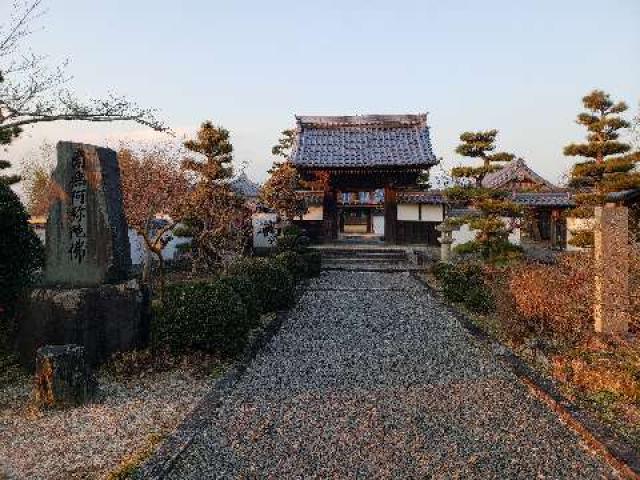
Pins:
x,y
104,320
611,255
63,377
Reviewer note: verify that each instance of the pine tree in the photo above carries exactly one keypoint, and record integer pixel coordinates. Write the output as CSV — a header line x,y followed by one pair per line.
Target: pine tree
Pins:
x,y
491,207
609,166
216,217
280,190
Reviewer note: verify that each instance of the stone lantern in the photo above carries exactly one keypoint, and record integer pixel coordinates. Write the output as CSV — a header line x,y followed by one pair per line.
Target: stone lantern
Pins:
x,y
446,239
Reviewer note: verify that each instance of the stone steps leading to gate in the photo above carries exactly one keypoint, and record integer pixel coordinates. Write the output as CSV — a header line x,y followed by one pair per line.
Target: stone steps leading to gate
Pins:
x,y
365,259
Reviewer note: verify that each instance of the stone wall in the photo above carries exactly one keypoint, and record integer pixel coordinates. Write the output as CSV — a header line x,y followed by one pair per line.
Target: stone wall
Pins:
x,y
104,319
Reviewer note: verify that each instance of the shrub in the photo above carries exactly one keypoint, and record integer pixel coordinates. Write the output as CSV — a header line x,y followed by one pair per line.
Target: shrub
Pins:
x,y
295,263
557,298
464,283
21,254
272,285
314,263
242,284
292,238
207,316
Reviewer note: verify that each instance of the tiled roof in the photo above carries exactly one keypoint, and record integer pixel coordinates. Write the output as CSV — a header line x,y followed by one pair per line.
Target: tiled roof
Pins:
x,y
363,141
625,196
544,199
514,170
244,186
432,197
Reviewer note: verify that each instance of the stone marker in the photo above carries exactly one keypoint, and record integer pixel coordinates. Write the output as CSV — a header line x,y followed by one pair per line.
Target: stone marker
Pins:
x,y
611,254
87,240
62,377
86,298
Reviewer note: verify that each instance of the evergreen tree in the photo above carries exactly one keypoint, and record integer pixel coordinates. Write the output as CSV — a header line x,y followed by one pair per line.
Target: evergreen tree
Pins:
x,y
21,253
279,191
491,207
216,217
609,167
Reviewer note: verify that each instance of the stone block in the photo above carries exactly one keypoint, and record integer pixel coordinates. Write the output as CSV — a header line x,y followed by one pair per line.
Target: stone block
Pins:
x,y
104,320
63,377
87,236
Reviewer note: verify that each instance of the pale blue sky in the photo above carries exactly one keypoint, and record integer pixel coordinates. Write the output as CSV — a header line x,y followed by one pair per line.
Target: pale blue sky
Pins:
x,y
519,66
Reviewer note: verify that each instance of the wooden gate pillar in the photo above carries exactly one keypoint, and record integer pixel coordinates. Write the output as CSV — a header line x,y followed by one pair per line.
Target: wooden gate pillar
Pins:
x,y
390,215
329,214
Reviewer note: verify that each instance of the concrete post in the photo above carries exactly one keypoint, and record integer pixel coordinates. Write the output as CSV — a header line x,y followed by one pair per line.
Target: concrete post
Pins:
x,y
611,255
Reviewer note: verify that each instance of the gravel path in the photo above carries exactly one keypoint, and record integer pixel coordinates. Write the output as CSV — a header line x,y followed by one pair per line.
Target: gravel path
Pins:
x,y
369,378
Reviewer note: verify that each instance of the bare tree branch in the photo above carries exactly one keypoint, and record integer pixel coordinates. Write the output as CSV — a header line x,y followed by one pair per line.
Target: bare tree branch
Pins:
x,y
31,92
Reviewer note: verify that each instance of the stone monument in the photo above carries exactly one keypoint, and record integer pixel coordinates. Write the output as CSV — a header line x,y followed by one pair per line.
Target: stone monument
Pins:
x,y
611,255
87,236
86,297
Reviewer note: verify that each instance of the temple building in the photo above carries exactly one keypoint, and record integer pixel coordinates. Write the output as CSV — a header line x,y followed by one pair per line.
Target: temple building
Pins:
x,y
368,168
366,171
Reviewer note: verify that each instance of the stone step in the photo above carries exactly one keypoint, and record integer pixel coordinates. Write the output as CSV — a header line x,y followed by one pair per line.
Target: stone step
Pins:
x,y
362,259
371,267
366,255
361,251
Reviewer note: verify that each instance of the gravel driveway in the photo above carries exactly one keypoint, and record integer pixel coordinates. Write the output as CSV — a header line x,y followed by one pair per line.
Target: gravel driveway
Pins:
x,y
369,378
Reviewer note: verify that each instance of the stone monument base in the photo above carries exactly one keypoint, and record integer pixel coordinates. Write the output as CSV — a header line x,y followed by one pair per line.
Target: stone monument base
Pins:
x,y
104,320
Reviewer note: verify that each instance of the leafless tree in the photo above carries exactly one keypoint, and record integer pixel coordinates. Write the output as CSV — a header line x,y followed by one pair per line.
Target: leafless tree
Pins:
x,y
31,92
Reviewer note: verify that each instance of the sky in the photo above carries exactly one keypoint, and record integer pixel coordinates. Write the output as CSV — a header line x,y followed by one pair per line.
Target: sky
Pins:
x,y
518,66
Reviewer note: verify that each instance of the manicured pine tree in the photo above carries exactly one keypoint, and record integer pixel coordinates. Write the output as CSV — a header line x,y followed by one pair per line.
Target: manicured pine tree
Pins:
x,y
216,217
609,167
279,191
491,207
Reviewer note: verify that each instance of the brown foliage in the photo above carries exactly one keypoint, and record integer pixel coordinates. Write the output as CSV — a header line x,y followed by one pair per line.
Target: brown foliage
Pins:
x,y
279,191
153,185
556,298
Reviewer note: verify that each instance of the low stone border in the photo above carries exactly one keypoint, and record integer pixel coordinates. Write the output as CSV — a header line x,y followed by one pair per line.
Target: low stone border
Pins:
x,y
163,460
618,453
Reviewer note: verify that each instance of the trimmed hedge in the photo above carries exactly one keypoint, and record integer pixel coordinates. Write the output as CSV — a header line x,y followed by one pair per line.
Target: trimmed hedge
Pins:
x,y
219,314
464,283
314,263
207,316
272,284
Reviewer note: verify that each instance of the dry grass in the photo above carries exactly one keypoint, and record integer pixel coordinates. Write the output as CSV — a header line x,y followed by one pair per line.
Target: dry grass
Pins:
x,y
139,403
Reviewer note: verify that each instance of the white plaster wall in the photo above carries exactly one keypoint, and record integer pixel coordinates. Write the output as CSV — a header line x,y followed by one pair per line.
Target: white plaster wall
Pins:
x,y
138,249
258,221
314,213
465,234
577,224
378,224
432,213
411,212
408,212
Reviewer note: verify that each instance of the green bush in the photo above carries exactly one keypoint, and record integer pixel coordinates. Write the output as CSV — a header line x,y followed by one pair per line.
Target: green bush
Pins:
x,y
464,283
21,254
295,263
272,284
314,263
208,316
243,286
292,238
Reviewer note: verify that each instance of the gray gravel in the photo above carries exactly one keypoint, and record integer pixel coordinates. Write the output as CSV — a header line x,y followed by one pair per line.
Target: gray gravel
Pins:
x,y
369,378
